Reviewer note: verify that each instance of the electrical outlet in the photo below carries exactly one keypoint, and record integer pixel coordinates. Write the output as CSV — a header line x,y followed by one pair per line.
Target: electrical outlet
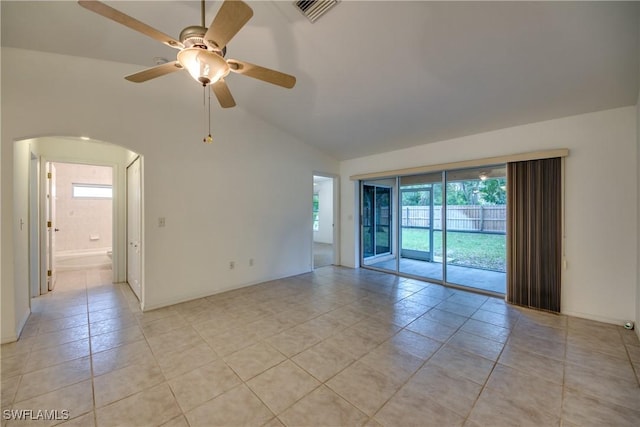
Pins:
x,y
232,265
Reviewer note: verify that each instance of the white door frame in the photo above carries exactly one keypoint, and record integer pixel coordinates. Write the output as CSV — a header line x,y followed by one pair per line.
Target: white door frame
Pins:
x,y
34,226
139,248
41,226
51,224
336,215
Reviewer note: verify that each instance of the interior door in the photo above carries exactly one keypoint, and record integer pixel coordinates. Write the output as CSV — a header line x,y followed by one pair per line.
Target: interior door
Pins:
x,y
134,257
50,207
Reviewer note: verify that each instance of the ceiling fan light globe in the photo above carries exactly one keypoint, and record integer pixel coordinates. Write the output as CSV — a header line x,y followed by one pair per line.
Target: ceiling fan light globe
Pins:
x,y
204,66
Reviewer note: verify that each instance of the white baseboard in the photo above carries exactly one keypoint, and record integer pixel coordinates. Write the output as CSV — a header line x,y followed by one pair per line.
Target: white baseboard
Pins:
x,y
19,327
603,319
23,321
163,304
9,339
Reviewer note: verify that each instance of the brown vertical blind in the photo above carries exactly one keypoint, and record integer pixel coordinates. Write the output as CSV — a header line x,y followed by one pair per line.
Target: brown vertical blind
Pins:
x,y
534,233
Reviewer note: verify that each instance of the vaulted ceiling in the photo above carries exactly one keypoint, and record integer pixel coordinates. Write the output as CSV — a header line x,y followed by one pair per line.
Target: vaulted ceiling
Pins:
x,y
382,75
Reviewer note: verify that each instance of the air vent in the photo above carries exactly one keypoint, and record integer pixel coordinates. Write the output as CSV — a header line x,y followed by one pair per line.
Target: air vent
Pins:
x,y
314,9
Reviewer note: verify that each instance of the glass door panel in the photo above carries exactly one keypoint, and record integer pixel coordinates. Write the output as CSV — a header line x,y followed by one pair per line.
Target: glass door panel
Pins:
x,y
368,219
420,239
415,222
476,228
383,220
377,224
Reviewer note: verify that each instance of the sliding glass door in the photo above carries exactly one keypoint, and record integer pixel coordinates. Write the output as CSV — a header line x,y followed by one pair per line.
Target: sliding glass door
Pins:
x,y
448,226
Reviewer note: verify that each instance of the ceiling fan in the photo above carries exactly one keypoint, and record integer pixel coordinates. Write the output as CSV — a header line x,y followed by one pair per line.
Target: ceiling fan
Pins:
x,y
201,50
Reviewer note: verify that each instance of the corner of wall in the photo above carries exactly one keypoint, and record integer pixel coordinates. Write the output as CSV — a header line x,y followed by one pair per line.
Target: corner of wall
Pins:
x,y
22,321
638,216
14,335
638,210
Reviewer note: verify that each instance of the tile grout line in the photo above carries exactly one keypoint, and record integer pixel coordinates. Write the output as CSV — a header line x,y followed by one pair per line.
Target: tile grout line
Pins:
x,y
635,370
564,372
484,385
93,387
425,361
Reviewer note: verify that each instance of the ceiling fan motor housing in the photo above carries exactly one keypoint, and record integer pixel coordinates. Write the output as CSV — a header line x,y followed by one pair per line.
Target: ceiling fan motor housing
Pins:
x,y
206,67
193,36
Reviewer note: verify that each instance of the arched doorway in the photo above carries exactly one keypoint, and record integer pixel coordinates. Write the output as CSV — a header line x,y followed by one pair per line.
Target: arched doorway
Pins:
x,y
74,151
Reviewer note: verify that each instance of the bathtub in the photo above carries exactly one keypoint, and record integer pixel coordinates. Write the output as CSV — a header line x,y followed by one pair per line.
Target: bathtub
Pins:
x,y
83,259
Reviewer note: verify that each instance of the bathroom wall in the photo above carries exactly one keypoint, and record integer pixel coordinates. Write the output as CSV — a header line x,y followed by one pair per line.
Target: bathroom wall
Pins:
x,y
84,223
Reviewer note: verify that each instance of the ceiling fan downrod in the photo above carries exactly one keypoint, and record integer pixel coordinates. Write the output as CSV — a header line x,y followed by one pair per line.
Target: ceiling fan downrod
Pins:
x,y
202,13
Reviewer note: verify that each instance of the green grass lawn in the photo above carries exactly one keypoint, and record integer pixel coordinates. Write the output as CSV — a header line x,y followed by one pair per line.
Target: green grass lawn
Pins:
x,y
476,250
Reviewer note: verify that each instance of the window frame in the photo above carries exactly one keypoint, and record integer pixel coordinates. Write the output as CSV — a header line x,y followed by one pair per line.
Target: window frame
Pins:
x,y
97,195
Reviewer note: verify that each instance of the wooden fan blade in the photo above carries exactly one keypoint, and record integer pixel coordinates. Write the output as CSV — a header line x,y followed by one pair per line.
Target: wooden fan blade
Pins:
x,y
222,92
126,20
261,73
231,17
153,72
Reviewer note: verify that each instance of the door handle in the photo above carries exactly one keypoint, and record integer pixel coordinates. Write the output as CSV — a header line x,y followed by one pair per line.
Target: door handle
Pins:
x,y
56,229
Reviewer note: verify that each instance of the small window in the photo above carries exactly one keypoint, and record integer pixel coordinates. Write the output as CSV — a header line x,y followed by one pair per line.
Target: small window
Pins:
x,y
92,191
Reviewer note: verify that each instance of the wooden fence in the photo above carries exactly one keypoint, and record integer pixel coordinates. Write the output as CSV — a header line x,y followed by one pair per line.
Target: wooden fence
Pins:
x,y
478,218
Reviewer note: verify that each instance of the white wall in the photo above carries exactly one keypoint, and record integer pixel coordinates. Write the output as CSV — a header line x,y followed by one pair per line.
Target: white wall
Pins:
x,y
20,296
601,200
325,212
245,196
84,223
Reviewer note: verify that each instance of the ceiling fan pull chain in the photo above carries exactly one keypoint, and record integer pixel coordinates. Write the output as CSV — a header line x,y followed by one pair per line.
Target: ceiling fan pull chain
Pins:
x,y
204,113
208,139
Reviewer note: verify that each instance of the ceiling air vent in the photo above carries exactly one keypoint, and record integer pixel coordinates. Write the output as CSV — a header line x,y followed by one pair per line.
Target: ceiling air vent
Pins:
x,y
314,9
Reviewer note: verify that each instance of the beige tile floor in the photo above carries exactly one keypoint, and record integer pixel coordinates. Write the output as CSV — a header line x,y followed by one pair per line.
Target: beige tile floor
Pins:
x,y
334,347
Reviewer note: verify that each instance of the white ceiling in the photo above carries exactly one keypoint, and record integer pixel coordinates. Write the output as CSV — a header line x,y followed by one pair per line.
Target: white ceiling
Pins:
x,y
382,75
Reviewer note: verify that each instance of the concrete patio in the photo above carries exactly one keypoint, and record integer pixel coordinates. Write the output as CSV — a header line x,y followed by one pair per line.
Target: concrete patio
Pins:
x,y
492,281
